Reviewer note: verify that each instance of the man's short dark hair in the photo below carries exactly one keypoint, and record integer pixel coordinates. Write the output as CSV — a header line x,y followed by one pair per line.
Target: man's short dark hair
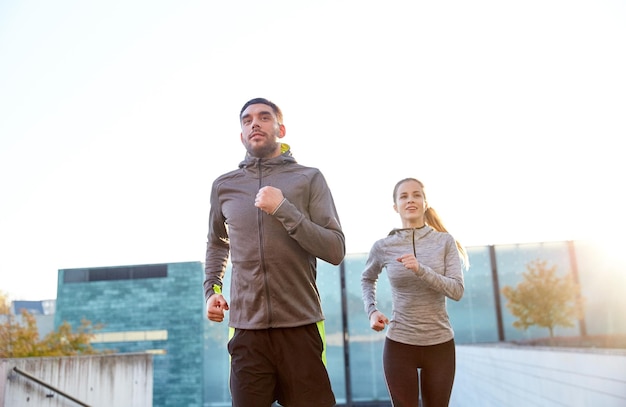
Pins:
x,y
276,109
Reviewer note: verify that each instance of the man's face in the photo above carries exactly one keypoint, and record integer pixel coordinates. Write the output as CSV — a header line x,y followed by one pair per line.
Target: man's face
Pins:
x,y
260,131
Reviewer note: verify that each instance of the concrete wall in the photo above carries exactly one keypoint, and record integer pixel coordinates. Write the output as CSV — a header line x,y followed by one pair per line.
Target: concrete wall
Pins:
x,y
513,376
96,381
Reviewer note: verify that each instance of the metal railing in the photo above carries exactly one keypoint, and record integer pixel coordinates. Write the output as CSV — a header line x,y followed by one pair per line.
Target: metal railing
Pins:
x,y
50,387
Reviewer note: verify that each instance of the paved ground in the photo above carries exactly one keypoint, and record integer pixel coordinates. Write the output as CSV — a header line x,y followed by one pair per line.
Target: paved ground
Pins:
x,y
591,341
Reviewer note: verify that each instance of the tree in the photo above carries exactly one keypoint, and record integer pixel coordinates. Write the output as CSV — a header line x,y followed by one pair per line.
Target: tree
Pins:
x,y
5,307
65,342
22,340
544,299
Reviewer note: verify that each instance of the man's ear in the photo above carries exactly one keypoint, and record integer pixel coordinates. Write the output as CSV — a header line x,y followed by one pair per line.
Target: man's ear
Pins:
x,y
283,130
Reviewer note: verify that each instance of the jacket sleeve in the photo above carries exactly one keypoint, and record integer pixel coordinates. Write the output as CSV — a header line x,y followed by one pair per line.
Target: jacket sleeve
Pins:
x,y
451,283
369,278
318,231
217,249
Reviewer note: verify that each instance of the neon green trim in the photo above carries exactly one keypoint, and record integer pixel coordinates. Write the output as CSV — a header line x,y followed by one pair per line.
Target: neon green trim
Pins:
x,y
217,289
322,331
231,333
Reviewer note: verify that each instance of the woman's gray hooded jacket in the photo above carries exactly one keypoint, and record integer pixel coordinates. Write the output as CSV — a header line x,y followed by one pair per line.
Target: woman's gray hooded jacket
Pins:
x,y
274,257
419,314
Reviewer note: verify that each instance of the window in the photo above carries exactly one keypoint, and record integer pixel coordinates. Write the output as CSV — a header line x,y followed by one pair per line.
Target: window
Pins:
x,y
115,273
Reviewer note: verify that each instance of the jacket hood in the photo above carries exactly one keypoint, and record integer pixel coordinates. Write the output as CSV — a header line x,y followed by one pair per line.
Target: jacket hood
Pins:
x,y
284,157
405,231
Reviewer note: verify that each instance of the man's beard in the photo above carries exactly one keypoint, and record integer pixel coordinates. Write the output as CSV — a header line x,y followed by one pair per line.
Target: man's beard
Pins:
x,y
264,150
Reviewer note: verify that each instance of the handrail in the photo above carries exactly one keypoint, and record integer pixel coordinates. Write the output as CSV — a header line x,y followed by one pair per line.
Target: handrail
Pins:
x,y
54,389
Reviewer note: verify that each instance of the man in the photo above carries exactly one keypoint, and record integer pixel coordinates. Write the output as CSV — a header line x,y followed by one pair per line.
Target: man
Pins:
x,y
274,217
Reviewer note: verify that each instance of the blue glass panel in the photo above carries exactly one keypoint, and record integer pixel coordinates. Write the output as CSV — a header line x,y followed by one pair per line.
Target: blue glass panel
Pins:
x,y
512,262
473,318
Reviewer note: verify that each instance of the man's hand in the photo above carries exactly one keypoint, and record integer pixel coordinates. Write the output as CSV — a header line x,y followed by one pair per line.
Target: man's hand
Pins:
x,y
215,307
378,320
268,199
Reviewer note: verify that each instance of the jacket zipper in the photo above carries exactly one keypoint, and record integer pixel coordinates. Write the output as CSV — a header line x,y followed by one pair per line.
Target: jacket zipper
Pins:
x,y
262,252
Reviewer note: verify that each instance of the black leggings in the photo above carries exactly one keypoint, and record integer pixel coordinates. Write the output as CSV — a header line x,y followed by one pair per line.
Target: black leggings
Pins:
x,y
435,378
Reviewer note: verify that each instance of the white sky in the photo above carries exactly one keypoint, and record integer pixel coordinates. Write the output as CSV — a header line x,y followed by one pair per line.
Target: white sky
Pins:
x,y
116,116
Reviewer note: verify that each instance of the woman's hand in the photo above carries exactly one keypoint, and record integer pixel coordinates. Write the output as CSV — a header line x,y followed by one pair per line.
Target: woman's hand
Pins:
x,y
378,320
409,262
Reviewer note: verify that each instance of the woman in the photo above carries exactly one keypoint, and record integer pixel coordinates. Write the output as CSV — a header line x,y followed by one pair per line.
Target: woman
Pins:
x,y
424,265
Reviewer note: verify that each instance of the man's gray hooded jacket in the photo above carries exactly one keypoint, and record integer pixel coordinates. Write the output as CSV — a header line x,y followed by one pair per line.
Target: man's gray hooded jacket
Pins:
x,y
274,257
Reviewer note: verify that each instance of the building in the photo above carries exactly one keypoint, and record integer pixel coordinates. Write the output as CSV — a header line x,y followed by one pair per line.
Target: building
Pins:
x,y
43,311
155,308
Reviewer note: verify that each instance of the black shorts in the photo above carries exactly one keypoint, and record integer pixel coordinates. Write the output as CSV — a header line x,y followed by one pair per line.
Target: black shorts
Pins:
x,y
279,364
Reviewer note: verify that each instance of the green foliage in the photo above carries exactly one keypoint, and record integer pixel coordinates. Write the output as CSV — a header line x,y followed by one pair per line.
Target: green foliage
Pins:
x,y
65,342
544,299
5,307
22,340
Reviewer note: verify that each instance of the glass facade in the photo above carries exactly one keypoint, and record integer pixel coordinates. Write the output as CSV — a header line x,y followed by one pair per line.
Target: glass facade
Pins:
x,y
354,351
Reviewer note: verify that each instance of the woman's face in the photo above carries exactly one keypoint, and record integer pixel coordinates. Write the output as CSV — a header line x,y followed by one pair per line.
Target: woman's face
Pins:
x,y
411,204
